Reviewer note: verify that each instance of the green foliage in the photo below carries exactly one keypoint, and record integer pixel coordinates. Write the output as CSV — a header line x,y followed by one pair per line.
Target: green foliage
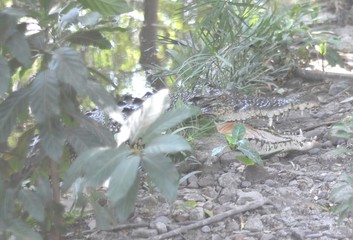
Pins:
x,y
147,148
236,142
242,44
343,195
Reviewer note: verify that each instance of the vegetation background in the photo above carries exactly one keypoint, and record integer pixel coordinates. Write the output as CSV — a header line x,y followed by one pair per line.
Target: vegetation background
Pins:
x,y
61,58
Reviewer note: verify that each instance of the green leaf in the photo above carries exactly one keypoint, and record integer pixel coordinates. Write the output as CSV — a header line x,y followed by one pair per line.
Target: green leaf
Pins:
x,y
96,165
103,217
126,205
5,76
44,189
246,160
249,151
107,7
82,139
163,174
23,231
19,47
217,150
90,38
123,178
8,23
166,144
52,138
33,204
238,132
70,17
45,96
168,120
90,19
99,95
10,109
70,69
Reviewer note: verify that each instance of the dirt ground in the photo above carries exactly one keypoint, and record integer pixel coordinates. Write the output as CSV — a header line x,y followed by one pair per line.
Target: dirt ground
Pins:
x,y
289,198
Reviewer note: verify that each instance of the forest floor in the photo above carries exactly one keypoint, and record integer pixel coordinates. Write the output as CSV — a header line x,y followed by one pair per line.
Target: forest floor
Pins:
x,y
288,198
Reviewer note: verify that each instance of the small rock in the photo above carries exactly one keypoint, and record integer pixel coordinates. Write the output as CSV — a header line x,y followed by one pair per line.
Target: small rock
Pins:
x,y
161,227
206,229
197,213
232,226
192,182
160,219
209,192
244,197
229,179
217,237
143,233
245,184
193,197
337,87
207,180
179,215
267,236
270,183
314,151
254,224
298,233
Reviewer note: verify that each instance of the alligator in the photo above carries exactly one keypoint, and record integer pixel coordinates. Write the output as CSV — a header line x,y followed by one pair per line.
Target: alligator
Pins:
x,y
229,106
268,142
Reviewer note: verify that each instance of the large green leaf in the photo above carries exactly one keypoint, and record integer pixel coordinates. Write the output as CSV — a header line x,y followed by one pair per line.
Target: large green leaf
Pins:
x,y
99,95
163,173
23,231
8,22
90,38
166,144
107,7
168,120
126,205
5,76
102,134
10,109
32,203
238,132
45,96
95,165
123,178
52,138
249,151
70,69
82,139
104,219
19,47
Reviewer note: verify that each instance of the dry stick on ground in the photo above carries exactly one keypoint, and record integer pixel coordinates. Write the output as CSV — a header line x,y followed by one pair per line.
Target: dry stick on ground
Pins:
x,y
250,206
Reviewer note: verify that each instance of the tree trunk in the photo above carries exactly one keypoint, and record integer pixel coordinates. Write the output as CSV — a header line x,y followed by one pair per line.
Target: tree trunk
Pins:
x,y
148,43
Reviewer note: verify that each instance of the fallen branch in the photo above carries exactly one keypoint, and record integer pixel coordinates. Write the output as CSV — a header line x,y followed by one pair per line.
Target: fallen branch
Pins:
x,y
315,75
247,207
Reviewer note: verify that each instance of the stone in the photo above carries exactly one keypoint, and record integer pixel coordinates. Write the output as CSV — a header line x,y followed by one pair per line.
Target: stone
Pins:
x,y
254,224
197,213
244,197
229,180
206,229
206,180
143,233
161,227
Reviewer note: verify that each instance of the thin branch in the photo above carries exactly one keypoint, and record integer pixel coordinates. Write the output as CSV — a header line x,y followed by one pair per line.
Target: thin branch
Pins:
x,y
247,207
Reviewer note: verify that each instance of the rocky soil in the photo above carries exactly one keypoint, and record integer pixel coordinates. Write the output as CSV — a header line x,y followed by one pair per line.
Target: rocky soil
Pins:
x,y
288,198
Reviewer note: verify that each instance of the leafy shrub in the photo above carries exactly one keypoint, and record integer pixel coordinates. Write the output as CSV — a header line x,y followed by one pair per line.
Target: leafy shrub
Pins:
x,y
43,84
343,194
236,142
